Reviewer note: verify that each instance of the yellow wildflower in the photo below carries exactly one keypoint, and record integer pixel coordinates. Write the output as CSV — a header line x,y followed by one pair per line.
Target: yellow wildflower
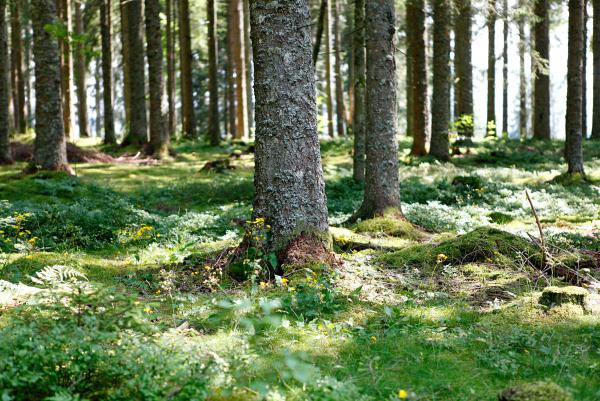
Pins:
x,y
441,258
402,394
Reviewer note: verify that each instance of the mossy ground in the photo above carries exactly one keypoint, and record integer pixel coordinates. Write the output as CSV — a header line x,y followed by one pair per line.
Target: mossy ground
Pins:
x,y
461,327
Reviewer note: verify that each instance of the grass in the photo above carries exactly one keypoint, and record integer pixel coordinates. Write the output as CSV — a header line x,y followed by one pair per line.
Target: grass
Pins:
x,y
441,330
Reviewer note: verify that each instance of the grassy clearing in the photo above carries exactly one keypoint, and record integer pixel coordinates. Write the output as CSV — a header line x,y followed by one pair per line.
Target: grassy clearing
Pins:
x,y
423,314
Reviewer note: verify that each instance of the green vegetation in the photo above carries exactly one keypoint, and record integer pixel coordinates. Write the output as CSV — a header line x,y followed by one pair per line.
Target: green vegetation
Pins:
x,y
132,300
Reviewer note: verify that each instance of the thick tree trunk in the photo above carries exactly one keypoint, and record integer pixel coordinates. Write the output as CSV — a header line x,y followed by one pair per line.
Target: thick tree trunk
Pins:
x,y
596,83
382,187
328,72
137,133
290,190
18,89
185,52
440,112
491,69
240,70
463,58
80,74
50,145
541,93
505,69
171,120
159,140
522,76
339,91
213,84
573,149
5,154
360,80
320,29
417,53
105,28
64,13
231,68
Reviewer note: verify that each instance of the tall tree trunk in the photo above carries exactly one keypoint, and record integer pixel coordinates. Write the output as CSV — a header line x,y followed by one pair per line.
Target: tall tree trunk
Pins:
x,y
105,28
348,44
231,68
18,89
185,52
5,153
289,185
125,59
339,91
240,70
64,13
584,115
440,113
328,72
541,93
463,58
137,132
522,76
320,28
360,80
382,186
213,84
80,73
27,44
573,144
505,68
159,139
98,99
249,67
596,83
170,66
50,151
417,53
491,69
410,38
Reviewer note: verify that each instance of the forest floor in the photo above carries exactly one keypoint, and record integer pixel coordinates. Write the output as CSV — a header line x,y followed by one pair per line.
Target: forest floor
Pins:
x,y
122,296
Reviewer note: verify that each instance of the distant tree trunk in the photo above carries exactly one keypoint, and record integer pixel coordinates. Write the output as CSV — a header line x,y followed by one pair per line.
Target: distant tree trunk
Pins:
x,y
289,185
505,69
522,76
159,140
240,70
541,93
328,72
382,186
491,69
573,149
584,124
463,58
440,113
105,28
125,59
50,151
347,43
171,120
320,28
27,43
185,52
596,83
80,73
231,68
5,153
64,13
213,84
98,98
417,53
360,80
410,38
249,67
18,89
339,91
137,132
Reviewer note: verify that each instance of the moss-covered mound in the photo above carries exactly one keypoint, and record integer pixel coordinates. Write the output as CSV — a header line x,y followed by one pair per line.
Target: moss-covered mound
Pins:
x,y
484,244
390,226
555,296
539,391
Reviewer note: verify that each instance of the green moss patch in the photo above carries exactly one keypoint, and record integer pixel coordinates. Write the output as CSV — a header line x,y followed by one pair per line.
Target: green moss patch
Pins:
x,y
539,391
555,296
390,226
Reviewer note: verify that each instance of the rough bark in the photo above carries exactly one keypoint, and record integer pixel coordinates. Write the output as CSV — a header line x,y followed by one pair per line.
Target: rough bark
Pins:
x,y
382,187
417,53
231,109
596,82
320,29
185,52
522,77
17,79
50,145
80,73
289,185
463,58
170,42
573,143
64,13
360,80
541,93
491,69
339,91
328,72
5,155
237,30
137,129
159,140
105,28
505,68
213,85
440,112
